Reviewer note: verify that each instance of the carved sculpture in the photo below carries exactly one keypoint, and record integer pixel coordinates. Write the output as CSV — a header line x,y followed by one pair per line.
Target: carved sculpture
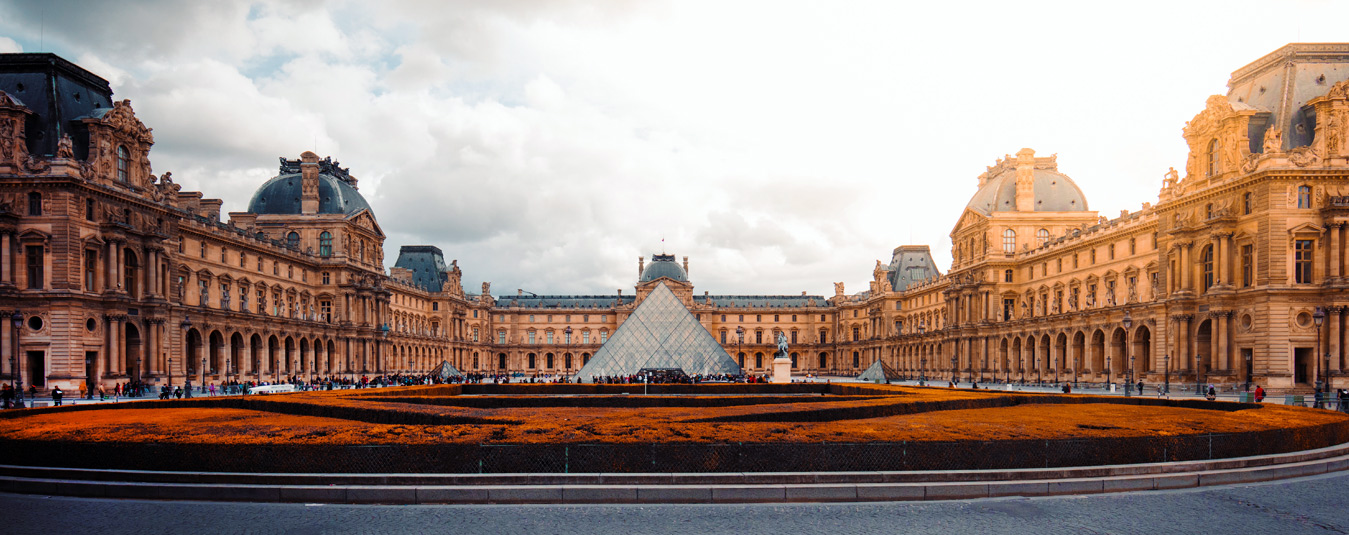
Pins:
x,y
1273,141
65,148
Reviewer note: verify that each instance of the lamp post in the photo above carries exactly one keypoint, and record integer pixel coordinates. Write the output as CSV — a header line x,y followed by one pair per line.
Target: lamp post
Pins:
x,y
922,366
1037,370
740,340
1319,317
1129,375
187,327
567,359
227,370
203,372
1077,367
1109,373
14,373
955,360
1166,362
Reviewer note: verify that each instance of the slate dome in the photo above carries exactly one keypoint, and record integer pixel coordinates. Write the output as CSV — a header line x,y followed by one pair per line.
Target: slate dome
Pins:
x,y
663,266
281,195
1054,192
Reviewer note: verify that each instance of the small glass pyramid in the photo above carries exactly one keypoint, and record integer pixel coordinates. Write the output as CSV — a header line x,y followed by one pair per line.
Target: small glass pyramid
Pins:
x,y
445,371
660,334
879,372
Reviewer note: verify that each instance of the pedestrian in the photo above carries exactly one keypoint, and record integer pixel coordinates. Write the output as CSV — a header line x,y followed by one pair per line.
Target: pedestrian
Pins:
x,y
56,396
1140,387
1211,395
178,392
1259,394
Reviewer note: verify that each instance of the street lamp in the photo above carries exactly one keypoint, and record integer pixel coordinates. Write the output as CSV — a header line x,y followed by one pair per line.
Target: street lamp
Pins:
x,y
1109,373
1128,325
922,366
567,360
1166,362
1037,370
740,340
187,326
1319,317
14,373
954,364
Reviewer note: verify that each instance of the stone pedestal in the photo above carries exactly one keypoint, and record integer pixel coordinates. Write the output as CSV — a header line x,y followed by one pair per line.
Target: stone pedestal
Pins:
x,y
782,370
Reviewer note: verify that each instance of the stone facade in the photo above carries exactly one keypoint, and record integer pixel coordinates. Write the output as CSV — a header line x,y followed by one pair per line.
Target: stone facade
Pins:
x,y
1235,274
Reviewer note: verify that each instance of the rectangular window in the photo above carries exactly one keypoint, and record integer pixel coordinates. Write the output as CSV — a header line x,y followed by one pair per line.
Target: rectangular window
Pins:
x,y
856,334
1008,308
326,311
1133,245
548,336
1093,257
88,209
723,337
604,336
36,277
1110,251
531,337
758,337
1007,276
585,337
824,336
90,270
475,334
224,255
203,249
1302,258
262,301
793,337
501,337
1247,264
243,257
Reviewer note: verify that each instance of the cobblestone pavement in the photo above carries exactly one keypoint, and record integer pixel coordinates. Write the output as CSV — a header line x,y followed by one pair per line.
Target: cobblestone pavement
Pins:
x,y
1304,506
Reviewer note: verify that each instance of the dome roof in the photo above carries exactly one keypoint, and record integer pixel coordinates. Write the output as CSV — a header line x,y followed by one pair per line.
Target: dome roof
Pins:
x,y
1054,192
663,266
281,195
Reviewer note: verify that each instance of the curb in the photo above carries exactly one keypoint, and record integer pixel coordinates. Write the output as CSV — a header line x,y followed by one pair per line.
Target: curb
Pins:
x,y
712,488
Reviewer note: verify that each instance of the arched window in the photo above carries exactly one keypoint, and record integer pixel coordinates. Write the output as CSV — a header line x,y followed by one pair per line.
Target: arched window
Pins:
x,y
325,244
1304,196
1009,241
1214,158
123,163
293,240
1042,236
1206,259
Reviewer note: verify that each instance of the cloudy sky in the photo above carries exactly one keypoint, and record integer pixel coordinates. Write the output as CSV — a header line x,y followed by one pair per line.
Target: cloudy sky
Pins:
x,y
780,145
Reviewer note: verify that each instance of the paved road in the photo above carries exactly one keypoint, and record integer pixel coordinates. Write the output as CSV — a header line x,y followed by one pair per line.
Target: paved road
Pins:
x,y
1303,506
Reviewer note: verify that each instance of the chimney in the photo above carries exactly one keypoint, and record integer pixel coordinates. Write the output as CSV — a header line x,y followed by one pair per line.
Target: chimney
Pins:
x,y
686,265
641,266
309,183
1025,180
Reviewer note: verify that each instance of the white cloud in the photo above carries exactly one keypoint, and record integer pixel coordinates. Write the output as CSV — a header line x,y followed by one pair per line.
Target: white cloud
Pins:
x,y
780,145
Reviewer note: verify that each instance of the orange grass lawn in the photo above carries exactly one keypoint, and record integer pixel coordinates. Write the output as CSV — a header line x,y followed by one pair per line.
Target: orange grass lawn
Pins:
x,y
651,424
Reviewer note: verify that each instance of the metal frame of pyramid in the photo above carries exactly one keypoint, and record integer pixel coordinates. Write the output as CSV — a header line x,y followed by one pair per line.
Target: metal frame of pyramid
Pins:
x,y
879,371
446,370
660,334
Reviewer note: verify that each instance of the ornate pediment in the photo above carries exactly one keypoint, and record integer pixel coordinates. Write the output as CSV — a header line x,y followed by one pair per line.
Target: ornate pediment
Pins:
x,y
1218,138
122,119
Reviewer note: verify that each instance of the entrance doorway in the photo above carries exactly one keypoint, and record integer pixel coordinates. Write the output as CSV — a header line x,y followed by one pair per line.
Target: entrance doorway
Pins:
x,y
90,369
37,368
1303,365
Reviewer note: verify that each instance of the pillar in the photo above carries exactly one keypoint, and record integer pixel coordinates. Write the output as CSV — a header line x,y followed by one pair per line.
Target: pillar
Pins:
x,y
7,258
1334,251
1222,360
1334,341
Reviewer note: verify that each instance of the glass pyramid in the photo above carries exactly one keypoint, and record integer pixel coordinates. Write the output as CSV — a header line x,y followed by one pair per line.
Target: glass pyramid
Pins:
x,y
879,372
445,371
660,334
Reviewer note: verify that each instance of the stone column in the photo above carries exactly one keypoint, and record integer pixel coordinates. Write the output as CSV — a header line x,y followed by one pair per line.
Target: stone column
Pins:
x,y
1222,360
1334,256
1186,269
7,258
1334,341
